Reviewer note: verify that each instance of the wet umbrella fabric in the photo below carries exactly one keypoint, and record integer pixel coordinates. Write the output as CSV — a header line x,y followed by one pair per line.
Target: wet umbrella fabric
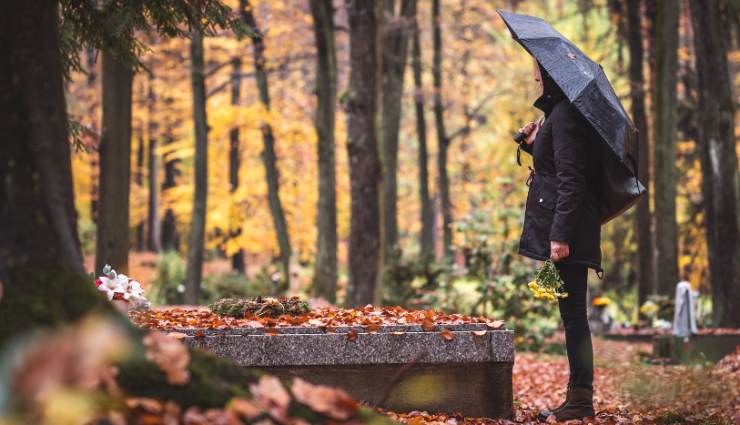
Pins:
x,y
584,83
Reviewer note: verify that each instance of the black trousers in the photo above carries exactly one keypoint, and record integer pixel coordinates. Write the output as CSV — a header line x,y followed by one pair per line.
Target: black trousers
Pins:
x,y
573,311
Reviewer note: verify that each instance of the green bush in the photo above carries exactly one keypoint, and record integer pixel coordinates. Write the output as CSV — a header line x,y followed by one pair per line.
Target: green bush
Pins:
x,y
234,285
169,284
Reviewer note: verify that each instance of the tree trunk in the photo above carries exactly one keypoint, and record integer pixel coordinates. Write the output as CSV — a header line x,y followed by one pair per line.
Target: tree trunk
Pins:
x,y
718,160
646,285
325,276
361,105
664,148
395,46
442,140
170,235
112,241
194,269
268,153
426,239
235,229
92,79
38,220
154,229
139,177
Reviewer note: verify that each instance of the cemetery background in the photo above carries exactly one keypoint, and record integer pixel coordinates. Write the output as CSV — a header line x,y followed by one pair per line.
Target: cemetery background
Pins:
x,y
249,206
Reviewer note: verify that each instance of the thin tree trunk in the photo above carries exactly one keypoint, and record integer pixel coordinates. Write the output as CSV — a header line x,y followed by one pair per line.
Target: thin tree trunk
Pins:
x,y
235,229
170,235
427,210
645,285
139,178
194,269
92,79
718,160
442,140
325,276
154,228
664,148
395,47
268,153
361,105
112,242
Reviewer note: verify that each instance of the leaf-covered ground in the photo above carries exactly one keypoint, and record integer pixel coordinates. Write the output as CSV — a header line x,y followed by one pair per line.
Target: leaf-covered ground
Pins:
x,y
627,391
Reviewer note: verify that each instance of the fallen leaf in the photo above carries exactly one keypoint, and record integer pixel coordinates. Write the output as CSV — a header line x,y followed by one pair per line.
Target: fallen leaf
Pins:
x,y
177,335
170,355
244,408
270,394
352,335
496,324
446,334
480,333
332,402
271,331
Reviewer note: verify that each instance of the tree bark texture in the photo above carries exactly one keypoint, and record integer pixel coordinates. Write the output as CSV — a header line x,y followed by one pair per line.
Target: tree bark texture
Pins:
x,y
325,277
442,140
38,220
718,161
426,239
112,240
361,105
235,229
646,284
194,268
664,147
269,158
395,46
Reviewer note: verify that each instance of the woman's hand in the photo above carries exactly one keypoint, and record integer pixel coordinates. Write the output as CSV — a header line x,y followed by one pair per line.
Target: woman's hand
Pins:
x,y
531,129
559,250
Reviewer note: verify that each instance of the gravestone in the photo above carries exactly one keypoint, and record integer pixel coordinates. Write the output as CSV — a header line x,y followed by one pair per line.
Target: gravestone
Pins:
x,y
465,368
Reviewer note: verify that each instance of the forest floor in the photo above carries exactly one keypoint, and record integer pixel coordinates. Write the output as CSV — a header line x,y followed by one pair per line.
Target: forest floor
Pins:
x,y
627,390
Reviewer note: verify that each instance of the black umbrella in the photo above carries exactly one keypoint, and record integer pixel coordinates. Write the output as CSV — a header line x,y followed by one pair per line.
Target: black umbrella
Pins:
x,y
584,83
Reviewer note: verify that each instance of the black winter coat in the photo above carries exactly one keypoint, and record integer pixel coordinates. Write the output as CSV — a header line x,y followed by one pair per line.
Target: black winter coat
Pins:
x,y
563,203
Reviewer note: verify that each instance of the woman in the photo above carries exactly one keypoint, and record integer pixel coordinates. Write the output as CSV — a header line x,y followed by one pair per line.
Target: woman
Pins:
x,y
562,222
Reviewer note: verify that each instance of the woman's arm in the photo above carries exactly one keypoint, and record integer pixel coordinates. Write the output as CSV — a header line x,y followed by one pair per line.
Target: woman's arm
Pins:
x,y
569,147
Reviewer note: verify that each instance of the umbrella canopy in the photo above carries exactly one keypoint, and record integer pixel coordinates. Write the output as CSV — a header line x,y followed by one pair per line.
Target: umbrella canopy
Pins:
x,y
584,83
582,80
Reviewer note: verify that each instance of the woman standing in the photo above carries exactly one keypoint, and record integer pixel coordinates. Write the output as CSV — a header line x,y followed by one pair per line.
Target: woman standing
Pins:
x,y
562,222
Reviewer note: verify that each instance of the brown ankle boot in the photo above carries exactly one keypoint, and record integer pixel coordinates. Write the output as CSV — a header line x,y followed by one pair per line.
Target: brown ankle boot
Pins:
x,y
579,405
545,413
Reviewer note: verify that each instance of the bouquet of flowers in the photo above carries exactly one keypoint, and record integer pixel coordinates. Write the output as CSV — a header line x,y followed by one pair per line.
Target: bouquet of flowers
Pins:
x,y
126,294
547,284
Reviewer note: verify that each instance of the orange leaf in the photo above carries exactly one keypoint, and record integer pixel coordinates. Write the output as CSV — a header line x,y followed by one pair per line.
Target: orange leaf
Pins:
x,y
427,325
332,402
352,335
446,334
